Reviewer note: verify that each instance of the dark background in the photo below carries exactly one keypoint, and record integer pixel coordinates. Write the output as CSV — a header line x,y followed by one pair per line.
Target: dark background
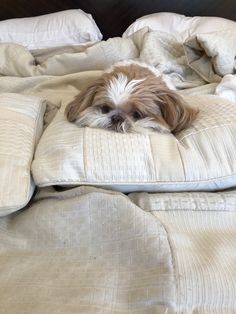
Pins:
x,y
114,16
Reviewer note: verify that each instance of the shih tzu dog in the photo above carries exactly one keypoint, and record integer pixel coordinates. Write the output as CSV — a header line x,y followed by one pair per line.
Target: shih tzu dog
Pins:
x,y
131,97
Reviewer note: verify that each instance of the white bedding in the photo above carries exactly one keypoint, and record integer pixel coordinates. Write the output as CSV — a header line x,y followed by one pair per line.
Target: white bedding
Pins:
x,y
201,158
21,125
88,250
201,229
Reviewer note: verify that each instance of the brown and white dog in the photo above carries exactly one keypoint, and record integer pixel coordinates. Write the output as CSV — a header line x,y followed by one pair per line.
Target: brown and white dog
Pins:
x,y
131,97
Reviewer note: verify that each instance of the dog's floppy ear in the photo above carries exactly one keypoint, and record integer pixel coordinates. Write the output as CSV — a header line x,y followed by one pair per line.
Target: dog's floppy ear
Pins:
x,y
176,113
82,101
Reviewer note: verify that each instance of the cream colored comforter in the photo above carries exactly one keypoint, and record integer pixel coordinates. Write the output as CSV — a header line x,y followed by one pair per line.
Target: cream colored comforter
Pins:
x,y
88,250
59,75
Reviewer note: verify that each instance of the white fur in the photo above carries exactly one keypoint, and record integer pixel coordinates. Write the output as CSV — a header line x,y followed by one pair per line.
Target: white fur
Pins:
x,y
147,125
94,119
120,88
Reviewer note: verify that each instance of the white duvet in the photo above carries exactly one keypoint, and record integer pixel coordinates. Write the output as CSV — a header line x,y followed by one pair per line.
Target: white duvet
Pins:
x,y
90,250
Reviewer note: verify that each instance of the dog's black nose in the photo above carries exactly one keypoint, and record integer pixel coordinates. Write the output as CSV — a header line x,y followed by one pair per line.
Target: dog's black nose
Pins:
x,y
117,119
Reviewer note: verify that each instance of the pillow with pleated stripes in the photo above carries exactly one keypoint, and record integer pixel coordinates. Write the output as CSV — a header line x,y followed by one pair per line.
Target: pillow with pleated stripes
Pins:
x,y
21,125
199,158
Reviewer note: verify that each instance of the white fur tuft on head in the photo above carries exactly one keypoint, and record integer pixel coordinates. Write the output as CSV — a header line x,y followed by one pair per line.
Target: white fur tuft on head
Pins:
x,y
119,88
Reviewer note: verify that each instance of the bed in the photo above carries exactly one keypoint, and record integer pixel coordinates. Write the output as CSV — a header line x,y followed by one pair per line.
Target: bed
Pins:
x,y
94,221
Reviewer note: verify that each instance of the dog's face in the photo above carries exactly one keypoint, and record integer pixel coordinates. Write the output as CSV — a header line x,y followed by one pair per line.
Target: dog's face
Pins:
x,y
130,98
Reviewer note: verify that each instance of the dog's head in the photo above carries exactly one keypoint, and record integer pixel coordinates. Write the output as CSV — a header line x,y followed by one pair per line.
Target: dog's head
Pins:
x,y
130,98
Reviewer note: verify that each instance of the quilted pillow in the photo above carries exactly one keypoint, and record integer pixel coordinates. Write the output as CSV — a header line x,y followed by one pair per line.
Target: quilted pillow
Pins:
x,y
21,124
180,26
202,157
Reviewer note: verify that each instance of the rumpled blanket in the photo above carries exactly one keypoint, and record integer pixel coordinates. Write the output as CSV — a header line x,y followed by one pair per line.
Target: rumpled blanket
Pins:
x,y
88,250
61,75
85,250
212,55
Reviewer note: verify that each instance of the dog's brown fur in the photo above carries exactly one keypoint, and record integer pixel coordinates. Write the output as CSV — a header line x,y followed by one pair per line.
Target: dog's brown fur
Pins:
x,y
151,97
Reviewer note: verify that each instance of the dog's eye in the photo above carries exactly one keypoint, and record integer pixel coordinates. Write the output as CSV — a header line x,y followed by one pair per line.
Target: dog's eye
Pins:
x,y
137,115
105,109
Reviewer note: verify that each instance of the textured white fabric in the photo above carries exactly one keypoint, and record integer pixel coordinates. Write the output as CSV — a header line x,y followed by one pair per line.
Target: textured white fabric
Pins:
x,y
70,27
227,88
180,26
201,230
21,122
88,250
91,251
198,61
57,80
202,157
95,57
85,251
212,55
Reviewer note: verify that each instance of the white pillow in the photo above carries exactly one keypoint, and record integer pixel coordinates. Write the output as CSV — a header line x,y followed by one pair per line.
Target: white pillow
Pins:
x,y
70,27
21,124
202,157
180,26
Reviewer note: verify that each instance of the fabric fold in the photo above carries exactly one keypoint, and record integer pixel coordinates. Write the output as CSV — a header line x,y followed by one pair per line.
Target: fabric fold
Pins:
x,y
212,55
85,250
